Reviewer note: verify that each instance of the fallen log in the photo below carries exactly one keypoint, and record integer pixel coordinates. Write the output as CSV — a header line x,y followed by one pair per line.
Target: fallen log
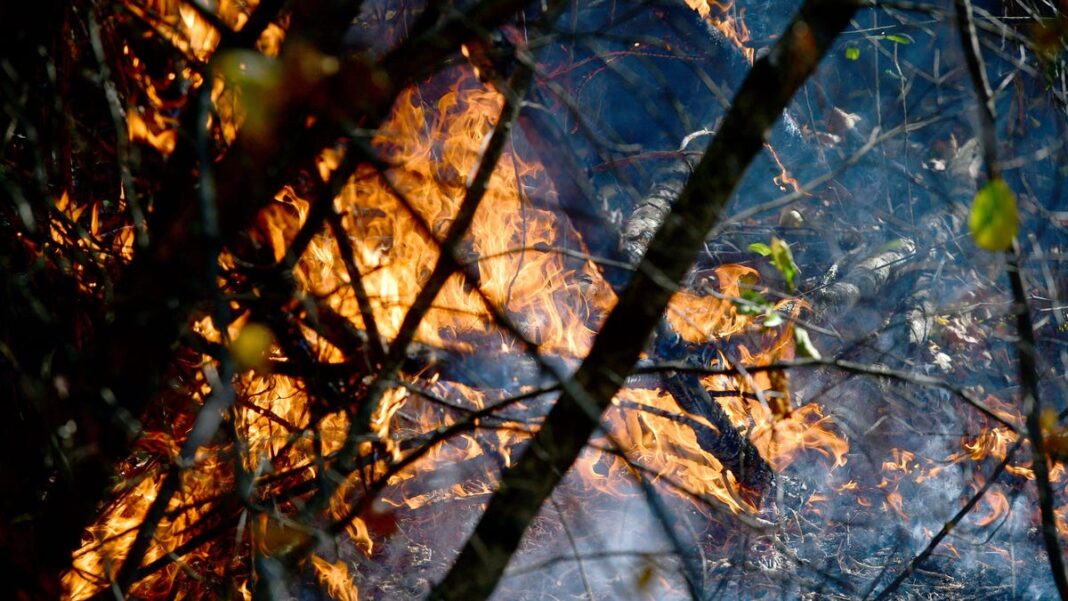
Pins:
x,y
863,281
729,446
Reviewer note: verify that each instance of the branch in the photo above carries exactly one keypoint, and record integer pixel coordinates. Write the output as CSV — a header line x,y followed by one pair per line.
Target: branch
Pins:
x,y
847,366
1025,344
948,527
344,245
524,487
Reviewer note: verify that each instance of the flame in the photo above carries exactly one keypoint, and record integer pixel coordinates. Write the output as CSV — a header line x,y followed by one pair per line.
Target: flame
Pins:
x,y
729,22
185,28
559,302
159,134
998,503
335,577
895,502
780,437
150,114
108,542
701,319
435,149
783,179
668,446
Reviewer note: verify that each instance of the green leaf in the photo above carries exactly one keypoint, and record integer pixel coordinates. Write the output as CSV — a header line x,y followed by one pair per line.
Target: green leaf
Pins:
x,y
852,53
751,303
994,220
803,344
898,39
760,248
783,260
894,244
772,319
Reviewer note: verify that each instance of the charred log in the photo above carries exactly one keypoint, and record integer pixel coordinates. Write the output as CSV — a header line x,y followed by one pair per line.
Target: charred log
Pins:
x,y
727,444
865,280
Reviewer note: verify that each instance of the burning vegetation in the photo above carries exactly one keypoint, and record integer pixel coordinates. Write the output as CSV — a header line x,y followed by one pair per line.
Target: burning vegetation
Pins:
x,y
389,299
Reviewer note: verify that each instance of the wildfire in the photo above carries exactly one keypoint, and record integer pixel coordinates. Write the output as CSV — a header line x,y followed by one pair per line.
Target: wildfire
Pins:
x,y
432,147
729,22
435,150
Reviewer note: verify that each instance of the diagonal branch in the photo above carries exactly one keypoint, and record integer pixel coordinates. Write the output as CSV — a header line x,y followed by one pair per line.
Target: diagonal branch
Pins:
x,y
948,527
524,487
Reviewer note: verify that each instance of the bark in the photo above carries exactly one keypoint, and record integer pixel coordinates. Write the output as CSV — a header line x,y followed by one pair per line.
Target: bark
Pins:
x,y
653,209
863,281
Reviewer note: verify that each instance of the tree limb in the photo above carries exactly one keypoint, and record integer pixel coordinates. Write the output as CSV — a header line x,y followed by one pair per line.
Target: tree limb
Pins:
x,y
525,486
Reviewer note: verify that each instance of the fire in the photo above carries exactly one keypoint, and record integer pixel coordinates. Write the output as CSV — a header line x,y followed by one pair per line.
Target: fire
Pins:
x,y
783,179
780,435
729,22
704,318
669,446
335,577
186,28
250,483
432,148
110,540
998,504
157,134
435,150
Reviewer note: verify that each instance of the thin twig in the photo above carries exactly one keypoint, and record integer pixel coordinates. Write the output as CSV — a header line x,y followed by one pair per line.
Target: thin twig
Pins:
x,y
356,281
948,527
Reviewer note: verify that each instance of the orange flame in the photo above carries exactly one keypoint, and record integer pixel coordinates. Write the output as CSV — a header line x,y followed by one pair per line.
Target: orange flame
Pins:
x,y
729,22
557,301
